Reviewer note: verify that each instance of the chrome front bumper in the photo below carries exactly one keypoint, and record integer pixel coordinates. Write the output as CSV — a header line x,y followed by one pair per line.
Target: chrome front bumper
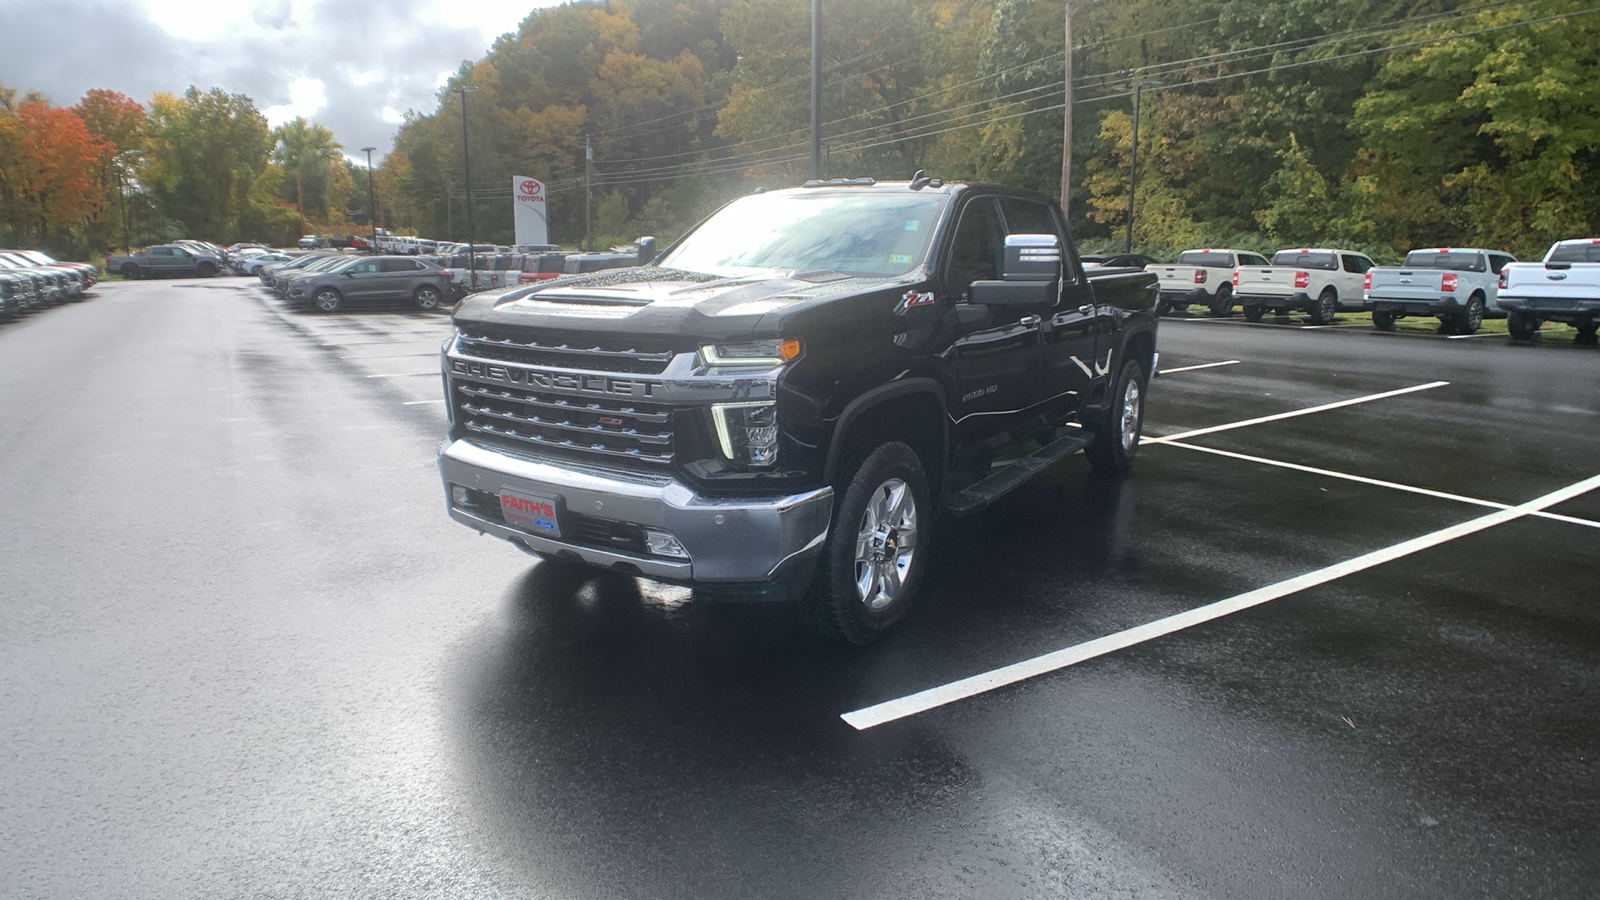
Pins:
x,y
729,540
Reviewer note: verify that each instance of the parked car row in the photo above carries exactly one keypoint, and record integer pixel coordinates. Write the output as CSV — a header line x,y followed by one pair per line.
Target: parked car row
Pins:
x,y
1458,286
30,280
499,269
331,282
178,259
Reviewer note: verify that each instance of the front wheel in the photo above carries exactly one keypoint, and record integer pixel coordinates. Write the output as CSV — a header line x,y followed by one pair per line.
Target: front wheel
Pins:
x,y
876,552
1116,442
328,300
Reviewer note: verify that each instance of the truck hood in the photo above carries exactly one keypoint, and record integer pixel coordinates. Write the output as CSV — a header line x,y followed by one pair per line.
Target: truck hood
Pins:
x,y
657,301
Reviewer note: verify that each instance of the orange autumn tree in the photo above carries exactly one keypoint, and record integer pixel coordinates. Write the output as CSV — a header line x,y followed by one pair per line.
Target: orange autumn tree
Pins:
x,y
117,122
51,182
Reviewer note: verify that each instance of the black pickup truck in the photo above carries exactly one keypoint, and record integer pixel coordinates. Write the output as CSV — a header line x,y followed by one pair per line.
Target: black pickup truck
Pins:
x,y
782,405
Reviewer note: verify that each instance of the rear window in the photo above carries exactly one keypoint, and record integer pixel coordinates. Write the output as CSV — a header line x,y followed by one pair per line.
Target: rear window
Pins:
x,y
1210,260
1454,260
1571,253
1300,260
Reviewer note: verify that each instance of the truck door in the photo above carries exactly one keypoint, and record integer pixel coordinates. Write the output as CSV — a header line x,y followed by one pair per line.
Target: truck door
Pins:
x,y
1067,337
995,355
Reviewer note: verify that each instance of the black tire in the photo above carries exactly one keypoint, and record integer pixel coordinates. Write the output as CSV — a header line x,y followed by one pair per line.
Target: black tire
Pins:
x,y
205,270
1222,302
1521,325
1588,329
1116,441
1325,306
1254,313
327,300
1162,307
131,272
426,298
1383,321
866,578
1469,320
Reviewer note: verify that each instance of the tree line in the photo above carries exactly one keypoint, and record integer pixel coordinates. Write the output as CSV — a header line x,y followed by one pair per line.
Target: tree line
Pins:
x,y
1375,126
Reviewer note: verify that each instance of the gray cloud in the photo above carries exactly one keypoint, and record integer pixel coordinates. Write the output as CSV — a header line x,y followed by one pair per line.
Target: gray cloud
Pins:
x,y
72,46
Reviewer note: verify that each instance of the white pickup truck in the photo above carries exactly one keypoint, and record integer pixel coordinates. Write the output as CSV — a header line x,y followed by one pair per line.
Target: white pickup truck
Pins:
x,y
1202,276
1457,286
1318,281
1565,287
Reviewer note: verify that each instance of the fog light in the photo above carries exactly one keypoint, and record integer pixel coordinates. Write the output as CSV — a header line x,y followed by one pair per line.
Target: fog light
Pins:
x,y
460,496
664,543
747,432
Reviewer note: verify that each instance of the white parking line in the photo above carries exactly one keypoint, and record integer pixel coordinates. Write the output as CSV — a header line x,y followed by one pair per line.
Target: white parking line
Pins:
x,y
922,701
1295,412
1226,362
405,374
1392,485
393,355
420,402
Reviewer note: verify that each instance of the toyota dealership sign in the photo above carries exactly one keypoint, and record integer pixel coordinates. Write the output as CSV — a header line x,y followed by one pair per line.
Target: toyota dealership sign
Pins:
x,y
527,200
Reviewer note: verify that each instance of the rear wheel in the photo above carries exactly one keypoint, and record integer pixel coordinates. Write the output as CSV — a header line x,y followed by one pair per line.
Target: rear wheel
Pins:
x,y
1521,325
328,300
875,555
1116,442
1383,321
1222,302
131,272
1322,311
205,270
426,298
1587,330
1254,313
1470,319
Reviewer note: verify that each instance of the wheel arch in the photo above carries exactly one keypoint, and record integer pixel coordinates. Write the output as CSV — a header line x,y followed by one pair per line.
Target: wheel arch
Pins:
x,y
911,410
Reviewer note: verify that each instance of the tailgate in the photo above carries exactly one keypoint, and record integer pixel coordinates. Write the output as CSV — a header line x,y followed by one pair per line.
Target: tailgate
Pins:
x,y
1406,284
1174,278
1272,280
1579,280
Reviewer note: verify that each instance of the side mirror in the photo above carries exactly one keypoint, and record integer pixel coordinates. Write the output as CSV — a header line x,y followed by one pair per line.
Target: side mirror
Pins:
x,y
646,247
1030,276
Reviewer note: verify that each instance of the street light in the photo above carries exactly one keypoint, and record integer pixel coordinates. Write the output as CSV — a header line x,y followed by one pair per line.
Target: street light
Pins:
x,y
466,166
1133,156
372,204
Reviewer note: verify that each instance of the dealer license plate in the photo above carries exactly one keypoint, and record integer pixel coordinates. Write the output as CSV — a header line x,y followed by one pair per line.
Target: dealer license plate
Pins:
x,y
537,513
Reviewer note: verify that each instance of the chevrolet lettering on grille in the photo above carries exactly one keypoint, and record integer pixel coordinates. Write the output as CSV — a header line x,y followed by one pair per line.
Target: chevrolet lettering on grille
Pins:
x,y
555,381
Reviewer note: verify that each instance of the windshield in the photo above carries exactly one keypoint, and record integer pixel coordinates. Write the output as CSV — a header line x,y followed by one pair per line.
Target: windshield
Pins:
x,y
1302,260
871,233
1571,253
1457,260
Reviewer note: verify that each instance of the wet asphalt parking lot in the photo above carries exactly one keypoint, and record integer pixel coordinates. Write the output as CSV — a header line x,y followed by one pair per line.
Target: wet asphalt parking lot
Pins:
x,y
1338,636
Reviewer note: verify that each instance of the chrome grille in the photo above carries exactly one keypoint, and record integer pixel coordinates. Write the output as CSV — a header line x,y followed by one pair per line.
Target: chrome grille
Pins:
x,y
615,430
583,354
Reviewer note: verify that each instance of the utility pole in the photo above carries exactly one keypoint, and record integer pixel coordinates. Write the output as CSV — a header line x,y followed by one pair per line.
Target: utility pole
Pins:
x,y
1066,124
122,196
588,193
816,89
1136,85
372,204
466,167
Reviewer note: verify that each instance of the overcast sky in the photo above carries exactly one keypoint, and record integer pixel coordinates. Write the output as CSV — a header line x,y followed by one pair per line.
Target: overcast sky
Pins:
x,y
355,66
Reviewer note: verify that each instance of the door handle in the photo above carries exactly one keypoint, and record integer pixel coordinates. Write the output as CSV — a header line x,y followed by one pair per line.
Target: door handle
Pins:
x,y
1029,321
1086,309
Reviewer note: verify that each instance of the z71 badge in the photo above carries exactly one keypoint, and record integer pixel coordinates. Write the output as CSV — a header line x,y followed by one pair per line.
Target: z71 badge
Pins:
x,y
914,299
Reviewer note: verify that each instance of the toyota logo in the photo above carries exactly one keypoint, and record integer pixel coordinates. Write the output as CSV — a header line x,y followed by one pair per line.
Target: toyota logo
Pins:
x,y
530,189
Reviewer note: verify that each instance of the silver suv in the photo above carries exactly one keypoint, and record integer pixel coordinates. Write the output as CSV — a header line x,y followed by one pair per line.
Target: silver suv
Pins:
x,y
372,279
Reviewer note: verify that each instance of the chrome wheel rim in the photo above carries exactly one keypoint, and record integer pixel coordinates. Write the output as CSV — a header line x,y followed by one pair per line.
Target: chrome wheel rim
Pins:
x,y
1474,315
886,544
327,300
427,299
1132,401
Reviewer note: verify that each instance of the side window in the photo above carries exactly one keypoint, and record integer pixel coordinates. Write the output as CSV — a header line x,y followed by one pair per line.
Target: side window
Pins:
x,y
1498,261
160,251
1352,263
365,268
1027,217
394,265
1251,259
977,248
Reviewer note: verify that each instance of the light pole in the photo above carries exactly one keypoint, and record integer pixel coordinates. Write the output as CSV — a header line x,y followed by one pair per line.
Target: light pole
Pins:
x,y
1133,150
466,166
372,205
816,89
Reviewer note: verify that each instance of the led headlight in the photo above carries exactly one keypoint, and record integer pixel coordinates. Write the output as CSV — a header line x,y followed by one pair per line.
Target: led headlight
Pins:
x,y
764,354
747,432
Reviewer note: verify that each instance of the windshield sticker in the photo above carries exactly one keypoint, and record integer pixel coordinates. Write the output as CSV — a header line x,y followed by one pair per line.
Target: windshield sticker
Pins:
x,y
912,224
900,258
